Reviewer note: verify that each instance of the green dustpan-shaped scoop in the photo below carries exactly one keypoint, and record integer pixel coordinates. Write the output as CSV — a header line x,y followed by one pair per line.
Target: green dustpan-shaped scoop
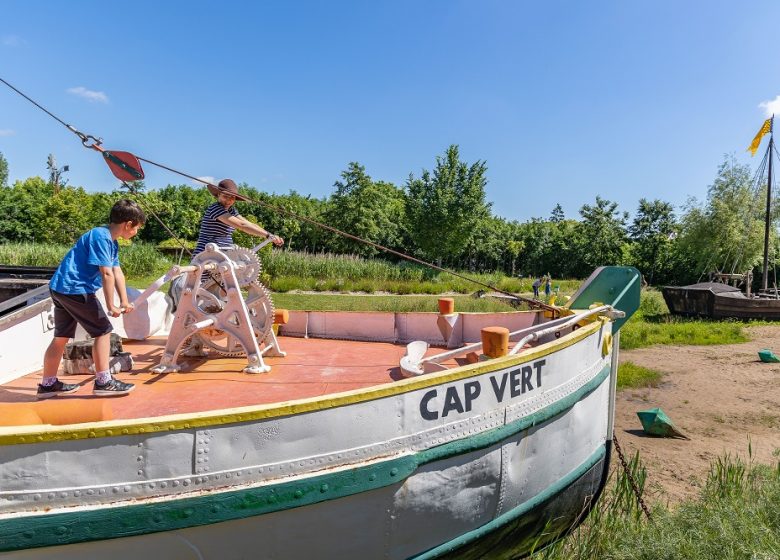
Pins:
x,y
767,355
656,422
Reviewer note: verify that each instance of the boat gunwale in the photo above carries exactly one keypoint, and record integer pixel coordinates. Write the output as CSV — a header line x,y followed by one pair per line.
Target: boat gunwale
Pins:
x,y
38,433
386,471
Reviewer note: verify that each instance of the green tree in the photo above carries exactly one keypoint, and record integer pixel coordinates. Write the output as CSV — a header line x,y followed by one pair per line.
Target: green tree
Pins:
x,y
370,210
652,232
179,207
444,207
32,211
557,215
725,233
3,171
602,236
298,234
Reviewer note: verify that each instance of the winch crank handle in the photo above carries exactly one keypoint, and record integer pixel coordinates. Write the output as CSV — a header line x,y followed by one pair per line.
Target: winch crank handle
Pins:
x,y
265,242
167,277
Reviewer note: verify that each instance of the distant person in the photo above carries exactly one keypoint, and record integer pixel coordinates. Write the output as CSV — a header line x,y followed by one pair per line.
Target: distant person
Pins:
x,y
91,264
547,287
221,218
535,285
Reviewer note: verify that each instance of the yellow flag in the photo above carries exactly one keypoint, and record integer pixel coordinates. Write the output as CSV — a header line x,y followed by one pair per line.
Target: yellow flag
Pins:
x,y
757,140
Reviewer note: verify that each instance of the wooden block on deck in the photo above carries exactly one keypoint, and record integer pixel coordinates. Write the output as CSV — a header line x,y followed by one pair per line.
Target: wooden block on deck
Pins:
x,y
281,316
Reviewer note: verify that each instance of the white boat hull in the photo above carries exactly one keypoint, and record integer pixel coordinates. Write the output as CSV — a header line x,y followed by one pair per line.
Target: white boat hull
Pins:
x,y
397,471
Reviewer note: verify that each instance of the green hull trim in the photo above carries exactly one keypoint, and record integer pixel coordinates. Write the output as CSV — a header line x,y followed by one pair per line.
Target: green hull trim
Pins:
x,y
36,530
517,512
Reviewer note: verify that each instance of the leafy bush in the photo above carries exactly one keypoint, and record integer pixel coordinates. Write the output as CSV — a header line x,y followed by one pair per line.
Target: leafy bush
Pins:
x,y
652,304
172,243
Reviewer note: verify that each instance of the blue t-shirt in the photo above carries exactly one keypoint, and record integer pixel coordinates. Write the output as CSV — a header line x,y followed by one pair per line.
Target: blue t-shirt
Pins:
x,y
78,272
214,231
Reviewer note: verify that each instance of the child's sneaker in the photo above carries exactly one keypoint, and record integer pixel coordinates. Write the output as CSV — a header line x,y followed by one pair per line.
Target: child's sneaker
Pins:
x,y
113,387
57,388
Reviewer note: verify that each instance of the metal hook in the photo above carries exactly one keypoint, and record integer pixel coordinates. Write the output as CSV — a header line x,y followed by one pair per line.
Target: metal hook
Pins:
x,y
96,142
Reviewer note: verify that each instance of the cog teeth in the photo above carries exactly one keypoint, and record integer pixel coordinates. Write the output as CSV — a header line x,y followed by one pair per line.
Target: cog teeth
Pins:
x,y
252,265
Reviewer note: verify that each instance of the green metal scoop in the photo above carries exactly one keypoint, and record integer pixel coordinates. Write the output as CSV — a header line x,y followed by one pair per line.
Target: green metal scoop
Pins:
x,y
656,422
767,356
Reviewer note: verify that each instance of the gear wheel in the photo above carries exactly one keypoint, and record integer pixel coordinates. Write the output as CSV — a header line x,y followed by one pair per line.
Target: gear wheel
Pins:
x,y
261,314
252,268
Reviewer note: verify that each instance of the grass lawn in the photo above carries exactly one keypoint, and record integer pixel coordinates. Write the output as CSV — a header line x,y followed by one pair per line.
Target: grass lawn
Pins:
x,y
632,376
338,302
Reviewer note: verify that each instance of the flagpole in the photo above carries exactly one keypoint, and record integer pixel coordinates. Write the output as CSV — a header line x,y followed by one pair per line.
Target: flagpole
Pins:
x,y
768,218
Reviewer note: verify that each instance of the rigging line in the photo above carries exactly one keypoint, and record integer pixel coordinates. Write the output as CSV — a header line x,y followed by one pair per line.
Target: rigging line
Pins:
x,y
84,137
531,303
138,196
41,107
755,188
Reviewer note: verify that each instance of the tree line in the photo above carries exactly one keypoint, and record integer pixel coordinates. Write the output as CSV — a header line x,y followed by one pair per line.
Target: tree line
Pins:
x,y
441,216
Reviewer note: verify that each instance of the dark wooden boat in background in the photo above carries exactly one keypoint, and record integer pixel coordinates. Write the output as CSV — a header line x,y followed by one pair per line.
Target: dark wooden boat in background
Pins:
x,y
717,299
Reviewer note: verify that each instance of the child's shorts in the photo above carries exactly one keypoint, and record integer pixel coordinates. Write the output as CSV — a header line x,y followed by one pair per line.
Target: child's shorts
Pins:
x,y
84,309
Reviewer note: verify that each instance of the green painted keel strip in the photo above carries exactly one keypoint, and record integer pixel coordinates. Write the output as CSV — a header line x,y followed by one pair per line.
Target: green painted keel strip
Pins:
x,y
549,492
37,530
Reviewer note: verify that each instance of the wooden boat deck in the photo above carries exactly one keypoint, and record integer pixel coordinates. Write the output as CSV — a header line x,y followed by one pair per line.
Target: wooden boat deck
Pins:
x,y
312,368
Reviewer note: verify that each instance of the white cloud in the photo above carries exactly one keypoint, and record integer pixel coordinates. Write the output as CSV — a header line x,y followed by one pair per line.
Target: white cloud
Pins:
x,y
13,41
771,107
211,180
7,132
88,94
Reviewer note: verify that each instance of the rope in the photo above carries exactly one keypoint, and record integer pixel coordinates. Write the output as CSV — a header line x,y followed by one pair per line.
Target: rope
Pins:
x,y
97,141
749,214
134,190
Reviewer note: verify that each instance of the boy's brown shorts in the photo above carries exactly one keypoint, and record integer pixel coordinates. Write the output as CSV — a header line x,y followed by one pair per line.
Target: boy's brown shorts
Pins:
x,y
84,309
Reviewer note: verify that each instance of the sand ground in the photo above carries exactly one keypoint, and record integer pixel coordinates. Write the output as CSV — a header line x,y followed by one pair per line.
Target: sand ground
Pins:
x,y
723,397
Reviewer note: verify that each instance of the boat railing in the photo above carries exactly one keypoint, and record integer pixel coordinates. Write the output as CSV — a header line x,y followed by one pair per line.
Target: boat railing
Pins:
x,y
606,310
413,363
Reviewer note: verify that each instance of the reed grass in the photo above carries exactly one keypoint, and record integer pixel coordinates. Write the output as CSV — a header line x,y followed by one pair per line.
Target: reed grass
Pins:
x,y
143,259
290,270
32,254
137,259
735,517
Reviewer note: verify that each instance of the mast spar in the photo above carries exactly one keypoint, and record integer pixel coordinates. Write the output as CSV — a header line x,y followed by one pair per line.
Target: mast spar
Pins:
x,y
768,217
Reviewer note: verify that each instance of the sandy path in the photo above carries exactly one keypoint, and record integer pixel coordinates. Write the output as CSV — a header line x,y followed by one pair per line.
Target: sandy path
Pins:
x,y
721,396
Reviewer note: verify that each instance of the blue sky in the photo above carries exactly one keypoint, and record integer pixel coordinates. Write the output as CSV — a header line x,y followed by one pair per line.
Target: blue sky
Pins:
x,y
563,100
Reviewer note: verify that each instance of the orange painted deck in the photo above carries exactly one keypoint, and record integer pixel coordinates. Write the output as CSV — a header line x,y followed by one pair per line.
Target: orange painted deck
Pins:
x,y
312,368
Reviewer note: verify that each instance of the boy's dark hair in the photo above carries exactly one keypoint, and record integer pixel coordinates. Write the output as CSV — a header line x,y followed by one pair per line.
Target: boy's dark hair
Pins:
x,y
127,211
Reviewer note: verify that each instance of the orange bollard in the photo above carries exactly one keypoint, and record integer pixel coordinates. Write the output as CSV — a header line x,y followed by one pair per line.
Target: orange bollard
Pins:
x,y
281,316
495,341
446,306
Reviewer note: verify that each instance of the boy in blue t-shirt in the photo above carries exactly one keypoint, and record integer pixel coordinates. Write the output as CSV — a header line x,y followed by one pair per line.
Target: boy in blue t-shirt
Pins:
x,y
91,264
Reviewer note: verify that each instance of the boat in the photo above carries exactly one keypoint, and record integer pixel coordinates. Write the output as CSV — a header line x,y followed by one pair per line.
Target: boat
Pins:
x,y
25,314
351,443
721,296
260,432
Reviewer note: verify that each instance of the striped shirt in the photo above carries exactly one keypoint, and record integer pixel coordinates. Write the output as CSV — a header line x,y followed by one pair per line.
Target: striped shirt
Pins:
x,y
214,231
